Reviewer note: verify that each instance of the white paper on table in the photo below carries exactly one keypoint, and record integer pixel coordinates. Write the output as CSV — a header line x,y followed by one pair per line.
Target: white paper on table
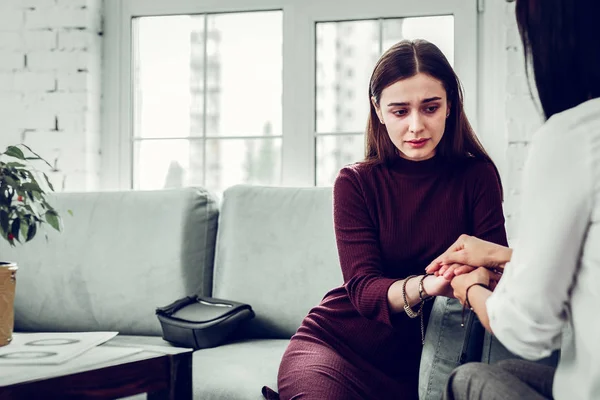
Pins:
x,y
97,357
50,348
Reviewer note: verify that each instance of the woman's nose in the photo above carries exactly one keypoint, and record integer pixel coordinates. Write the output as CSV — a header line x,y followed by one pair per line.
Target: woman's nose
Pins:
x,y
416,123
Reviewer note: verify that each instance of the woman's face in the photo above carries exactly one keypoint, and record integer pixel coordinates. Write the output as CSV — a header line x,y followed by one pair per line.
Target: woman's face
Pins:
x,y
414,112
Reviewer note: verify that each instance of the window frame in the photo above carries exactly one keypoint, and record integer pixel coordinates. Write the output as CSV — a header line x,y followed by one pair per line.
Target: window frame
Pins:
x,y
299,75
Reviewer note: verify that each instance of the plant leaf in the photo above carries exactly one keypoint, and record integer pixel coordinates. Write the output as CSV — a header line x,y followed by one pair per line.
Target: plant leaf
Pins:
x,y
24,229
31,232
13,151
11,182
14,164
31,187
48,182
53,220
5,199
15,227
4,220
36,154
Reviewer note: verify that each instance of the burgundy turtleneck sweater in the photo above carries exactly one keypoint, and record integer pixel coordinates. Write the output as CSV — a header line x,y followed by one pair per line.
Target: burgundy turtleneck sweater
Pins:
x,y
390,222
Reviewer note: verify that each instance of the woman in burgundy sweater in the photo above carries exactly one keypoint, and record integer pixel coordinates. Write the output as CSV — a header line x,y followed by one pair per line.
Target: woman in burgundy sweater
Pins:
x,y
425,180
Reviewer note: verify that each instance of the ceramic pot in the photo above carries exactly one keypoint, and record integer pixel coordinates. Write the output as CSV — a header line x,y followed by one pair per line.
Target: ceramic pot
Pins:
x,y
8,282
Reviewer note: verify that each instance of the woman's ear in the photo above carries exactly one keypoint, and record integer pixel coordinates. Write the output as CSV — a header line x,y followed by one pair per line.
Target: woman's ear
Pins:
x,y
377,110
448,109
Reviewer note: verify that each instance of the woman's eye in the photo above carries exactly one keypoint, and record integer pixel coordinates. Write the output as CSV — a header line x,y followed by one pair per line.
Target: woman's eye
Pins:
x,y
400,112
431,109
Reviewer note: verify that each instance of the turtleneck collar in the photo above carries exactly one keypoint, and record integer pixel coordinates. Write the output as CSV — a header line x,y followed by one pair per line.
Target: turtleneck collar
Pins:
x,y
411,167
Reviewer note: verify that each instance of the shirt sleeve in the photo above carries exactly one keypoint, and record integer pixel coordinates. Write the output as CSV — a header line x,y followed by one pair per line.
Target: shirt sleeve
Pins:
x,y
527,310
358,247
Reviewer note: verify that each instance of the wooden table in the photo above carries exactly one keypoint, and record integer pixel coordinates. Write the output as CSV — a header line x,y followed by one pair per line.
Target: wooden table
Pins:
x,y
162,376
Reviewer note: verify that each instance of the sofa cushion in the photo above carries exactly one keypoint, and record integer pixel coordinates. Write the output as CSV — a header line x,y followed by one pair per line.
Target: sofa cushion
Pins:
x,y
237,370
120,255
276,251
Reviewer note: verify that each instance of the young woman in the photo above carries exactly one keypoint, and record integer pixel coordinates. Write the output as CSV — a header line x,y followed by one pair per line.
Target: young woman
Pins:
x,y
425,180
549,295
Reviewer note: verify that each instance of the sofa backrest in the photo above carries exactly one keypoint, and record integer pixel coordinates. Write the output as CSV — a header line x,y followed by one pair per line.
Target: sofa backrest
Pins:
x,y
120,255
276,251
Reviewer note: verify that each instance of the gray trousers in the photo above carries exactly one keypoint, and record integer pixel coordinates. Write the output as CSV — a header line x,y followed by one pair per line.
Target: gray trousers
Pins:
x,y
505,380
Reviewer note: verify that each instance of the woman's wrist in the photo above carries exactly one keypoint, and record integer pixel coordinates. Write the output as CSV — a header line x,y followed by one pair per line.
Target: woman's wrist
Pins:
x,y
499,256
398,291
467,303
423,293
428,287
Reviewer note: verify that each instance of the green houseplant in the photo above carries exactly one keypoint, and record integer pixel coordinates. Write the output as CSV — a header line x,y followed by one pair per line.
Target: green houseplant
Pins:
x,y
23,209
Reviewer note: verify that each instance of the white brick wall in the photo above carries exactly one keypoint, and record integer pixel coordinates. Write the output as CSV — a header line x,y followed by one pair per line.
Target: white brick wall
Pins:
x,y
523,118
50,72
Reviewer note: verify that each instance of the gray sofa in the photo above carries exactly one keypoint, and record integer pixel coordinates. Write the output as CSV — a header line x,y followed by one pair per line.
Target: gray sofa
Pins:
x,y
122,254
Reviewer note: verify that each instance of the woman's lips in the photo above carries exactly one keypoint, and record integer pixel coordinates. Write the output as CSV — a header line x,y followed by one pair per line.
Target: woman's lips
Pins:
x,y
417,143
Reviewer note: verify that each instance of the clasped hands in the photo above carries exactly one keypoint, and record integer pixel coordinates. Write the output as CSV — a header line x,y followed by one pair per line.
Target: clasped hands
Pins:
x,y
470,261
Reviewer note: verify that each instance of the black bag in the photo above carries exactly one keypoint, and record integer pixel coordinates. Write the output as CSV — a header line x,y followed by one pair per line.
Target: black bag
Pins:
x,y
201,322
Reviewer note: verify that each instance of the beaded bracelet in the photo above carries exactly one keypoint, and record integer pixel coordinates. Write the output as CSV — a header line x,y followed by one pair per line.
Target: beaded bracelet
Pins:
x,y
423,295
467,303
409,311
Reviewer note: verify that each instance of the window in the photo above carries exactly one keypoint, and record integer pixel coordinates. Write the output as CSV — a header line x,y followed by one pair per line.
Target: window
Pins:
x,y
207,100
273,92
346,57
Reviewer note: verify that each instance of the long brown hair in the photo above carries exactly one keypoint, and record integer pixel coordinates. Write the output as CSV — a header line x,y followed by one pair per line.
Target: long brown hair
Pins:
x,y
404,60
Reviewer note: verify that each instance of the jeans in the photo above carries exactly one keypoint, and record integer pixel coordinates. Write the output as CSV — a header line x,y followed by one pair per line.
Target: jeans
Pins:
x,y
448,345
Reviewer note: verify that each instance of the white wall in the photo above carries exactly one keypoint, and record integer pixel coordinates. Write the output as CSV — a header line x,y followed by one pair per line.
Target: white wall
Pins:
x,y
50,75
523,116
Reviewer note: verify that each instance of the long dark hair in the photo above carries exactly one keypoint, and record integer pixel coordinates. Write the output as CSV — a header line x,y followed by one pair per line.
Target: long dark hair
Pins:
x,y
404,60
560,41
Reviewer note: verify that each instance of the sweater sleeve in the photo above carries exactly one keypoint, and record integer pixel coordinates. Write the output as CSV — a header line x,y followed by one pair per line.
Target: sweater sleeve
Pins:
x,y
487,214
358,247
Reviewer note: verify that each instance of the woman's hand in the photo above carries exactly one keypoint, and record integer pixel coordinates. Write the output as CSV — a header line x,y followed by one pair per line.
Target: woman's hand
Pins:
x,y
461,283
437,286
452,270
470,251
